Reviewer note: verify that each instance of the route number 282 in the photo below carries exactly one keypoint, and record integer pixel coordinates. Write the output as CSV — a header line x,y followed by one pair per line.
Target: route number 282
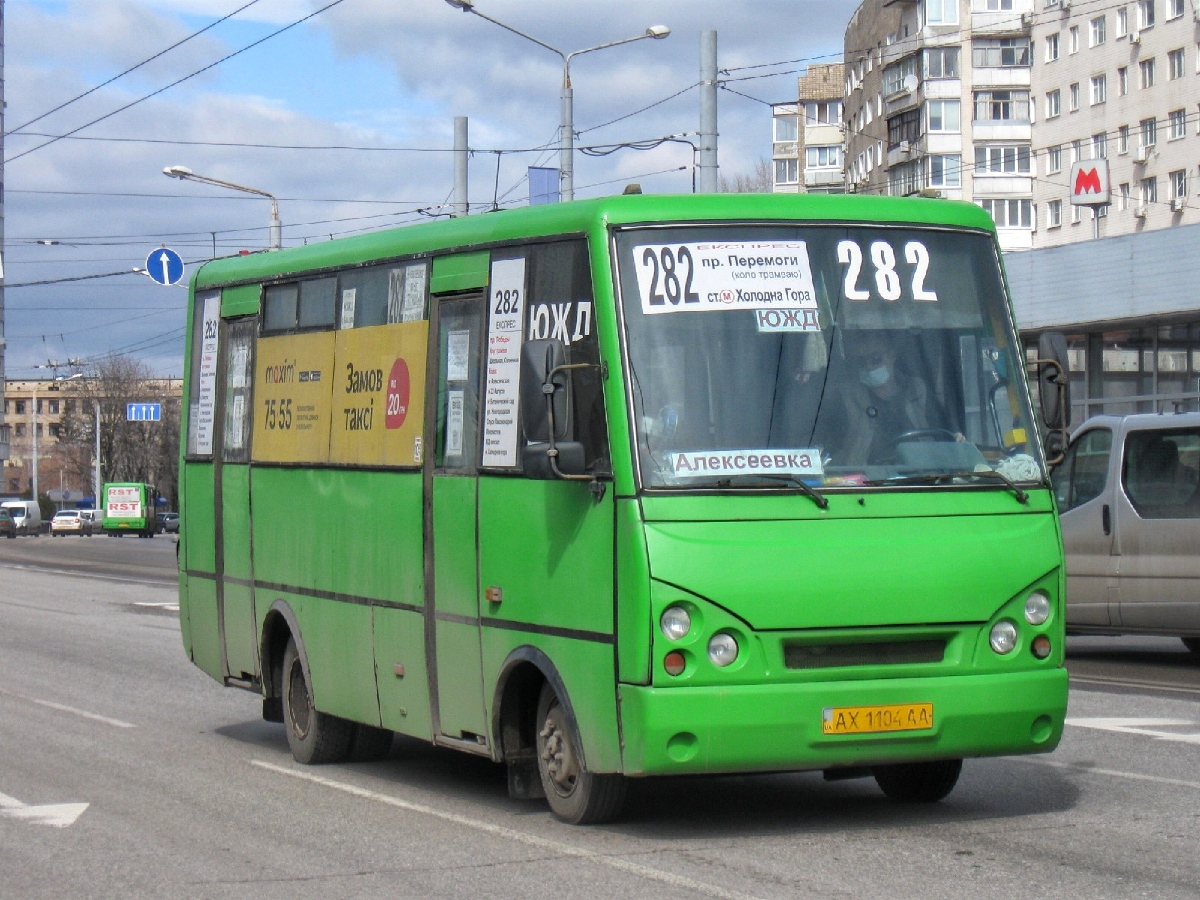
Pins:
x,y
887,280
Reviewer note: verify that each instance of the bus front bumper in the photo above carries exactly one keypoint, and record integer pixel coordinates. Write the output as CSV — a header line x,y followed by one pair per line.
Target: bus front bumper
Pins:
x,y
778,727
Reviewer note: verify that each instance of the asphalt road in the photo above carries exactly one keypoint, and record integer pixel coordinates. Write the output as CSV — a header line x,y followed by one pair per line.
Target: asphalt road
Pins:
x,y
125,772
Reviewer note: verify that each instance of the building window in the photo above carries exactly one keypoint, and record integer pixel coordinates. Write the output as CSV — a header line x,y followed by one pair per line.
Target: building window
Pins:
x,y
1174,9
1073,38
1099,86
999,159
1000,52
941,12
1122,21
945,171
1052,50
55,430
1073,96
1053,159
1148,132
787,129
1148,190
1054,214
1009,213
1100,145
1076,151
20,404
825,112
999,5
904,127
1145,13
53,407
787,171
904,180
1175,64
1146,73
19,431
1122,80
823,157
893,76
1176,124
1096,33
941,62
1123,196
1123,139
1053,104
1178,180
944,115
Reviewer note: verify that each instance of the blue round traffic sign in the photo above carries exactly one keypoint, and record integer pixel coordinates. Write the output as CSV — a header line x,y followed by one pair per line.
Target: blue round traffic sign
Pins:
x,y
164,266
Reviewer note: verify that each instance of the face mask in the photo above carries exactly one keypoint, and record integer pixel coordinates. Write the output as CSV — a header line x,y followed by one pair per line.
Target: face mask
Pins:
x,y
876,377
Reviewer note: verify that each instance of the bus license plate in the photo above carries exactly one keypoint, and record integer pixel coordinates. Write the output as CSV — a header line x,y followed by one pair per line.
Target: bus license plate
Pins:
x,y
876,719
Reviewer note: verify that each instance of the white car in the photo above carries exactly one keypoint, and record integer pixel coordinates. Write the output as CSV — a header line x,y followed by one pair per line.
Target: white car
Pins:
x,y
70,521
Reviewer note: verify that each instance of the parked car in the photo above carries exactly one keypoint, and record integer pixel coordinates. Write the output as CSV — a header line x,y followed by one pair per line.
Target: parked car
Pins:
x,y
26,515
1128,492
70,521
168,523
8,527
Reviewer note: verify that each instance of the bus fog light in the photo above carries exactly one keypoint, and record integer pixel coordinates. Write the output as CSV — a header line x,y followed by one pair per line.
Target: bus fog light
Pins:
x,y
675,622
1041,646
674,662
1004,636
1037,608
722,649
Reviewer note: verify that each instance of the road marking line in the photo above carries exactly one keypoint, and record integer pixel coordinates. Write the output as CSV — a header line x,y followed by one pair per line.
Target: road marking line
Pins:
x,y
57,815
1145,727
1133,683
116,723
174,607
1084,769
512,834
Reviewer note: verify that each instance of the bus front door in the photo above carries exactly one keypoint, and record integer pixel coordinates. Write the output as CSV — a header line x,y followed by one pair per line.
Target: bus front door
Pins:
x,y
452,612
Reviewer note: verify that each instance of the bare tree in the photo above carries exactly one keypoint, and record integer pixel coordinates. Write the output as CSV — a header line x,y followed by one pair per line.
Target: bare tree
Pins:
x,y
145,452
760,181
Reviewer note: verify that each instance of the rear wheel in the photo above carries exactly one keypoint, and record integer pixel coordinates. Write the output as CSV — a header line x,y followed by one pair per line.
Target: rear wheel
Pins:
x,y
924,782
576,796
314,737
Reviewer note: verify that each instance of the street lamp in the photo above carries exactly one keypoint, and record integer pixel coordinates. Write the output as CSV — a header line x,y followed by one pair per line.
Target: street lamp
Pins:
x,y
183,173
567,122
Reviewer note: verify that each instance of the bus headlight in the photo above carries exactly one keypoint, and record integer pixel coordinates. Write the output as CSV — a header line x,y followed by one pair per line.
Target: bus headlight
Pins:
x,y
1037,608
722,649
1004,636
675,622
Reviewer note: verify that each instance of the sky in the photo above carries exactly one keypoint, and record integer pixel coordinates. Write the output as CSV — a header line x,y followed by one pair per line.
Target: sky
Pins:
x,y
347,117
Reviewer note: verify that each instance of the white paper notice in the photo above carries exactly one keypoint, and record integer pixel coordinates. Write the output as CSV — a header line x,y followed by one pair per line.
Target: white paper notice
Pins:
x,y
454,423
724,275
349,295
206,403
506,307
458,355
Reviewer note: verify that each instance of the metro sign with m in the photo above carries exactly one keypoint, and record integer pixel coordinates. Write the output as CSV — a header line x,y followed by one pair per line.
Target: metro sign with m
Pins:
x,y
1089,183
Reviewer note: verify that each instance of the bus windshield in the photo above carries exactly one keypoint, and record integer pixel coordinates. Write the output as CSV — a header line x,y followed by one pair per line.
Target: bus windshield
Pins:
x,y
847,355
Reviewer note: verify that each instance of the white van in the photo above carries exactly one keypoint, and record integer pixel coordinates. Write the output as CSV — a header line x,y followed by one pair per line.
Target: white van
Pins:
x,y
1128,492
26,515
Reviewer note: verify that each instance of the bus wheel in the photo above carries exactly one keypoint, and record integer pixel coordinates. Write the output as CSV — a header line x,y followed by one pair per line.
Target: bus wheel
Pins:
x,y
576,796
314,737
924,782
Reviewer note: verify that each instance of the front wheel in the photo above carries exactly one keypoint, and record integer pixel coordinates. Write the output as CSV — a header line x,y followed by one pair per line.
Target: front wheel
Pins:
x,y
924,782
576,796
314,737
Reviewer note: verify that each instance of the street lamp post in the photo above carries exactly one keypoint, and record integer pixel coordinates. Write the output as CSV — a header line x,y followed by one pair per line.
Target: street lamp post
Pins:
x,y
183,173
566,126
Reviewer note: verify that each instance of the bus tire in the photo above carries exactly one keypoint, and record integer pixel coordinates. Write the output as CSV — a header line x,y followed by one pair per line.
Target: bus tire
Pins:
x,y
923,782
576,796
314,737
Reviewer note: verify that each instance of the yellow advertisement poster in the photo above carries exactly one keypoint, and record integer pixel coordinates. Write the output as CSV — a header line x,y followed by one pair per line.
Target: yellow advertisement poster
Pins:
x,y
379,395
294,380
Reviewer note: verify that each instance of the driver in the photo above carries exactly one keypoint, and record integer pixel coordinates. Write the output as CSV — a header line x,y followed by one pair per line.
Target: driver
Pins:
x,y
876,402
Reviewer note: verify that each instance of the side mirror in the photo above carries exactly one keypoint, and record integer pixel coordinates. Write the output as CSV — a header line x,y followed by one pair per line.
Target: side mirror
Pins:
x,y
1054,392
547,413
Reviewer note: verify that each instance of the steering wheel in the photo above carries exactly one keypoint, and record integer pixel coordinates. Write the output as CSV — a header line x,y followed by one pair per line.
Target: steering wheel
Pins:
x,y
925,434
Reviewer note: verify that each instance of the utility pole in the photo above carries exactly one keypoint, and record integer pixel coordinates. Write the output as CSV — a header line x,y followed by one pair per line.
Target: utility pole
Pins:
x,y
707,181
4,428
461,203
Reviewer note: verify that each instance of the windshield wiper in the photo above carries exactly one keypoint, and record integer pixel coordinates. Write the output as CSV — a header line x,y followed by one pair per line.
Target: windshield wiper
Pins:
x,y
943,477
807,489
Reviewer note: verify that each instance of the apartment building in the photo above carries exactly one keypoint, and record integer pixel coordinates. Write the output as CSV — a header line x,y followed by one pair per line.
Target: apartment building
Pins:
x,y
1117,84
808,136
938,104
